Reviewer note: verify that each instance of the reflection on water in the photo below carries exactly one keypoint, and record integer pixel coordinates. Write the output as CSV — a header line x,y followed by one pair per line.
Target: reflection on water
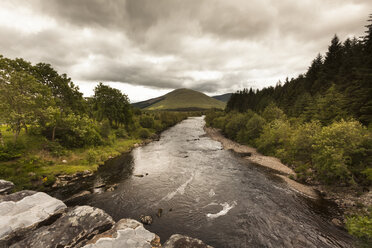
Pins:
x,y
208,193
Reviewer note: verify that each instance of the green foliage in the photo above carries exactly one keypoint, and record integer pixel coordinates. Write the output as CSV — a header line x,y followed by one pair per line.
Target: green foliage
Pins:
x,y
360,226
11,150
236,122
342,151
78,131
252,130
143,133
55,148
121,133
274,135
105,129
146,121
111,104
272,113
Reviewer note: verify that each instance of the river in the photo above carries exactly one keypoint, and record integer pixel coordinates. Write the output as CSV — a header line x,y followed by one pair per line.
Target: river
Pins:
x,y
211,194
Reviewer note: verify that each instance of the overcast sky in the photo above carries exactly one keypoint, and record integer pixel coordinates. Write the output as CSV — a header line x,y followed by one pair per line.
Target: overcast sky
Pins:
x,y
148,47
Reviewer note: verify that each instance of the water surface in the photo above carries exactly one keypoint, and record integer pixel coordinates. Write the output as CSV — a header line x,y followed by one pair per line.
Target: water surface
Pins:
x,y
211,194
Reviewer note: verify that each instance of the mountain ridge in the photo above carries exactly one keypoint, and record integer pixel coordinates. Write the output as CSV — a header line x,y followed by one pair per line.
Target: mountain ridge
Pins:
x,y
181,99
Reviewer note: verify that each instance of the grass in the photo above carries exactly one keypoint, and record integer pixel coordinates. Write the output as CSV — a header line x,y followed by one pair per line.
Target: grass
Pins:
x,y
36,168
184,99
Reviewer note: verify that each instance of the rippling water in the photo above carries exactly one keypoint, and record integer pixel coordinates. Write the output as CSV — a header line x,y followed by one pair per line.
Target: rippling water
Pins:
x,y
211,194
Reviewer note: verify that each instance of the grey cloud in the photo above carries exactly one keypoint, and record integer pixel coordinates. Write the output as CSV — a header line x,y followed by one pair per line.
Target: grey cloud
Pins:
x,y
121,40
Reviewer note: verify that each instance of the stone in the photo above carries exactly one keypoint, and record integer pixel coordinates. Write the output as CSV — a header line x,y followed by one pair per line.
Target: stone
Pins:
x,y
126,233
64,161
337,222
160,211
78,195
146,219
17,216
5,186
181,241
73,229
17,196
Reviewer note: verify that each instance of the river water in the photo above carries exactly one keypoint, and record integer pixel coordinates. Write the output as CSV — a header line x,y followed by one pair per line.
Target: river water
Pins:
x,y
211,194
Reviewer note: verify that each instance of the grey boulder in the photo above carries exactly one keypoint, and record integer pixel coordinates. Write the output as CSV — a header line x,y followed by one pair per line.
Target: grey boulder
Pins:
x,y
26,213
181,241
5,186
73,229
126,233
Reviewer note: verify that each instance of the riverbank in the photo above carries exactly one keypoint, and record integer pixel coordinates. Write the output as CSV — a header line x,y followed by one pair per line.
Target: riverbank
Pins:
x,y
40,169
271,163
350,200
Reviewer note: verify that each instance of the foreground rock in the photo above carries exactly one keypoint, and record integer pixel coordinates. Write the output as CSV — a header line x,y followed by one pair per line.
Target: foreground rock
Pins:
x,y
180,241
35,219
5,186
126,233
20,215
73,229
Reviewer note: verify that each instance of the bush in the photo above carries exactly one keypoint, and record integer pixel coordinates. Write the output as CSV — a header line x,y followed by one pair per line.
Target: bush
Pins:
x,y
360,226
146,121
300,146
55,149
105,129
272,113
143,133
252,130
236,122
11,151
342,151
78,131
121,133
273,137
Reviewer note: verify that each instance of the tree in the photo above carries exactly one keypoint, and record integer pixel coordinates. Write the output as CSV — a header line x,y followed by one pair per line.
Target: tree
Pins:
x,y
111,104
22,100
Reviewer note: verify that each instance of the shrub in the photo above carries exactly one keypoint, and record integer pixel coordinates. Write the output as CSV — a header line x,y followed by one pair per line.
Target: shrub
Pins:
x,y
121,133
236,122
11,151
272,113
144,133
78,131
55,149
146,121
252,130
342,151
273,137
360,226
105,129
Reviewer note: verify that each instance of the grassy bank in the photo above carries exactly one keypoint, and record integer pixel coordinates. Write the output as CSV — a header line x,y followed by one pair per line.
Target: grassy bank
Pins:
x,y
36,166
33,161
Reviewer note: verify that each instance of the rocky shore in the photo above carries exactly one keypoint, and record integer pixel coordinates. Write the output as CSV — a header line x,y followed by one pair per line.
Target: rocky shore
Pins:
x,y
349,200
35,219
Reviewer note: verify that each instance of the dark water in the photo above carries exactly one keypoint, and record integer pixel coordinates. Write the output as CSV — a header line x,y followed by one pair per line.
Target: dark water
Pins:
x,y
213,195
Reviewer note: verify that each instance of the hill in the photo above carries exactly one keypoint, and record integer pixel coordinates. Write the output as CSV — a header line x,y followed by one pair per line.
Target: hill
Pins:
x,y
181,99
224,98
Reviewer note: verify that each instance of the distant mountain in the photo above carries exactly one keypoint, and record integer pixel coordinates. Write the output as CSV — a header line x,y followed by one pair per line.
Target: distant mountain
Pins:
x,y
223,98
181,99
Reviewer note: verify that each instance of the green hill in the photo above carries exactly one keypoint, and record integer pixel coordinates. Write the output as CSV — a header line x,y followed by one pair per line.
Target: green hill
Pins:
x,y
182,99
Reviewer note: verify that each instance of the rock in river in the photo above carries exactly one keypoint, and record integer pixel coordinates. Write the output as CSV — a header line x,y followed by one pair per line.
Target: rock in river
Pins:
x,y
73,229
181,241
19,215
146,219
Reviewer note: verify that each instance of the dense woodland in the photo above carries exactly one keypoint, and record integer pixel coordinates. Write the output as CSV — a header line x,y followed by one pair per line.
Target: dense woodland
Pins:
x,y
318,123
337,85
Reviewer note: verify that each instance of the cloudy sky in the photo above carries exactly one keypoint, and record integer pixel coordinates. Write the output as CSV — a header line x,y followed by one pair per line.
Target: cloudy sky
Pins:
x,y
148,47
